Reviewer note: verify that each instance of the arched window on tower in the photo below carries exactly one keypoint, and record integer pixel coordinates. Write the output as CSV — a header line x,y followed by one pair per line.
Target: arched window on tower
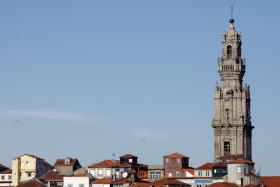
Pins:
x,y
229,51
226,148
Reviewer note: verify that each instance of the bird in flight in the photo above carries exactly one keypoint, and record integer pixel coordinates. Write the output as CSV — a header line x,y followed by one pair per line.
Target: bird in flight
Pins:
x,y
142,140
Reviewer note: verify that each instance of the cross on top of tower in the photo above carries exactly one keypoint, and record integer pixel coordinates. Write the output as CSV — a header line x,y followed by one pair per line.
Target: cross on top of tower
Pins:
x,y
231,15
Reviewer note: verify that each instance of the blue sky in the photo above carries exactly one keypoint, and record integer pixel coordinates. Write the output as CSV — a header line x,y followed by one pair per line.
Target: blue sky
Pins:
x,y
91,78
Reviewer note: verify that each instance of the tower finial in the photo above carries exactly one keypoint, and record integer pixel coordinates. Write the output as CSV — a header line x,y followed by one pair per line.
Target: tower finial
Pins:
x,y
231,21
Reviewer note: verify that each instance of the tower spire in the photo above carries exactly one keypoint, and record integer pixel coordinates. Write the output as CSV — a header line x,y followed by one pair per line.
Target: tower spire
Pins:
x,y
231,20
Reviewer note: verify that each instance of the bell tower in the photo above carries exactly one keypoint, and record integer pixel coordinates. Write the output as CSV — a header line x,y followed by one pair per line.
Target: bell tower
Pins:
x,y
232,121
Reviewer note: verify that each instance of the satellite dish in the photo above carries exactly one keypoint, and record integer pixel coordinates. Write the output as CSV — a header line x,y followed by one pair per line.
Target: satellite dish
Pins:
x,y
124,174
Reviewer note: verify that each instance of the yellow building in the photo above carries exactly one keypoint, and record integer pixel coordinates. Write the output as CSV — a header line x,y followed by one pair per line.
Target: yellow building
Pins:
x,y
27,167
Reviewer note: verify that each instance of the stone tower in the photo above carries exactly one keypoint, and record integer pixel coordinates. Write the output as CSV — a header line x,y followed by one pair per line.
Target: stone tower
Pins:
x,y
232,121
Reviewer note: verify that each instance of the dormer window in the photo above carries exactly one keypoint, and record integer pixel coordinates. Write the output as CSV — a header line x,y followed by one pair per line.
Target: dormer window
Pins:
x,y
67,161
229,51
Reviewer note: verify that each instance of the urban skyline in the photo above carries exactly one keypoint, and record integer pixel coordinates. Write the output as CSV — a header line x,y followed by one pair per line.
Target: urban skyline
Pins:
x,y
85,70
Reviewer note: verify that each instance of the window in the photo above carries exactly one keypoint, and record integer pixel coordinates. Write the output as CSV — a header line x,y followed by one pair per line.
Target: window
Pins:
x,y
199,185
178,160
229,51
167,160
155,175
2,177
100,172
238,169
177,173
199,173
158,175
108,173
207,173
130,160
9,177
226,148
81,185
29,174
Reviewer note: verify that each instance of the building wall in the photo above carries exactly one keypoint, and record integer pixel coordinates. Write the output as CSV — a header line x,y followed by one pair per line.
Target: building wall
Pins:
x,y
173,167
23,169
105,172
5,179
155,174
101,172
203,173
76,181
237,171
101,185
65,170
27,167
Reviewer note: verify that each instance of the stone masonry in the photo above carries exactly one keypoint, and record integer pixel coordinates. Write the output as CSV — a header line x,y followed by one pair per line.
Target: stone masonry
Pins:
x,y
232,120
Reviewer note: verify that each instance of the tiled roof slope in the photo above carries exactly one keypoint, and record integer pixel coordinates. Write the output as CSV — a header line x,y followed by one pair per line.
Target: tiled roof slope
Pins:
x,y
8,171
106,164
223,184
128,156
61,162
241,161
206,166
165,181
52,176
32,183
176,155
271,181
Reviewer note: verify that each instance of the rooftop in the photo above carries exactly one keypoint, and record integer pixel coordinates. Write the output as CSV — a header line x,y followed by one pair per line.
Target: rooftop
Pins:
x,y
176,155
206,166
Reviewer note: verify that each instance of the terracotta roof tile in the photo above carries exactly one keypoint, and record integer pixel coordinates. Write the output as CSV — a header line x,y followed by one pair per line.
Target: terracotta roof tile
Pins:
x,y
271,181
141,184
241,161
61,162
231,157
167,181
219,164
52,176
2,167
8,171
106,164
177,155
223,184
190,170
128,156
32,183
102,181
142,174
206,166
122,181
